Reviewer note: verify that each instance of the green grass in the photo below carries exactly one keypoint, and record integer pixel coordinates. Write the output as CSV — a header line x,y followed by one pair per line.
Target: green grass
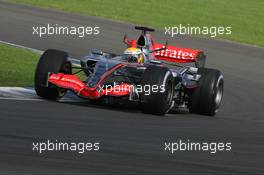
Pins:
x,y
17,66
245,16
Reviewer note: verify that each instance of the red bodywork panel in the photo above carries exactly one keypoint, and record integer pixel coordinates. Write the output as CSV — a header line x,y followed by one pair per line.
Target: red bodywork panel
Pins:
x,y
72,82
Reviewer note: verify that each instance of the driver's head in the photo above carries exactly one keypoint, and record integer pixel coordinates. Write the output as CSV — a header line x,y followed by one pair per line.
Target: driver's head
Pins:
x,y
134,55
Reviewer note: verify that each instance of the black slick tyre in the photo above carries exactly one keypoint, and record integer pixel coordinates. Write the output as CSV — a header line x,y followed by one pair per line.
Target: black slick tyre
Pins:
x,y
157,103
206,98
51,61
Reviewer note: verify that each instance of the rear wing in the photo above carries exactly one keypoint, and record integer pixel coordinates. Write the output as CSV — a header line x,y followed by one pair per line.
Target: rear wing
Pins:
x,y
165,52
176,54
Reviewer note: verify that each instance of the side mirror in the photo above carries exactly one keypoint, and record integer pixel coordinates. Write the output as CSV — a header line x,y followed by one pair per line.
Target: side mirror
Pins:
x,y
126,41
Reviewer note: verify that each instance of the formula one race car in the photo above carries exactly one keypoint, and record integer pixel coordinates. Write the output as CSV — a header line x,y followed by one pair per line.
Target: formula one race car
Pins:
x,y
139,74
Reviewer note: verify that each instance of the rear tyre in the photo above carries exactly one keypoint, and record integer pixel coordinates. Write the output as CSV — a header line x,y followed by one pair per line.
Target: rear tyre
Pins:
x,y
206,98
53,61
158,102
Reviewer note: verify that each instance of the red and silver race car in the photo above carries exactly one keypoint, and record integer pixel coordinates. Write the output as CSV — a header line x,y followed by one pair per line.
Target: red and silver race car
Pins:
x,y
140,74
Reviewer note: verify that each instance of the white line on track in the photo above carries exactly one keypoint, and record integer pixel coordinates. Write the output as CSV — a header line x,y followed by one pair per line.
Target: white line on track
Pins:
x,y
74,61
29,94
21,99
23,47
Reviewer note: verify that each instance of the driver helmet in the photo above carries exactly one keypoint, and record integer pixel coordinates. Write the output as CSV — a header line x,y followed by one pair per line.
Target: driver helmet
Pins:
x,y
134,55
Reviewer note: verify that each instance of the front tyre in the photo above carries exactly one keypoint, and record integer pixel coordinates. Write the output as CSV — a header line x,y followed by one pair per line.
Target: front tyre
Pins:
x,y
206,98
53,61
159,102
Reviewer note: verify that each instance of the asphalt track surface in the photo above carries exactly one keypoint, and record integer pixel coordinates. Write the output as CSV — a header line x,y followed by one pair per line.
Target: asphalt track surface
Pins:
x,y
131,142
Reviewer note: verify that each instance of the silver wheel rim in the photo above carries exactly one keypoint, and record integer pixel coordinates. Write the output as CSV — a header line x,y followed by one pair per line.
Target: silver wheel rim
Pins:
x,y
219,93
